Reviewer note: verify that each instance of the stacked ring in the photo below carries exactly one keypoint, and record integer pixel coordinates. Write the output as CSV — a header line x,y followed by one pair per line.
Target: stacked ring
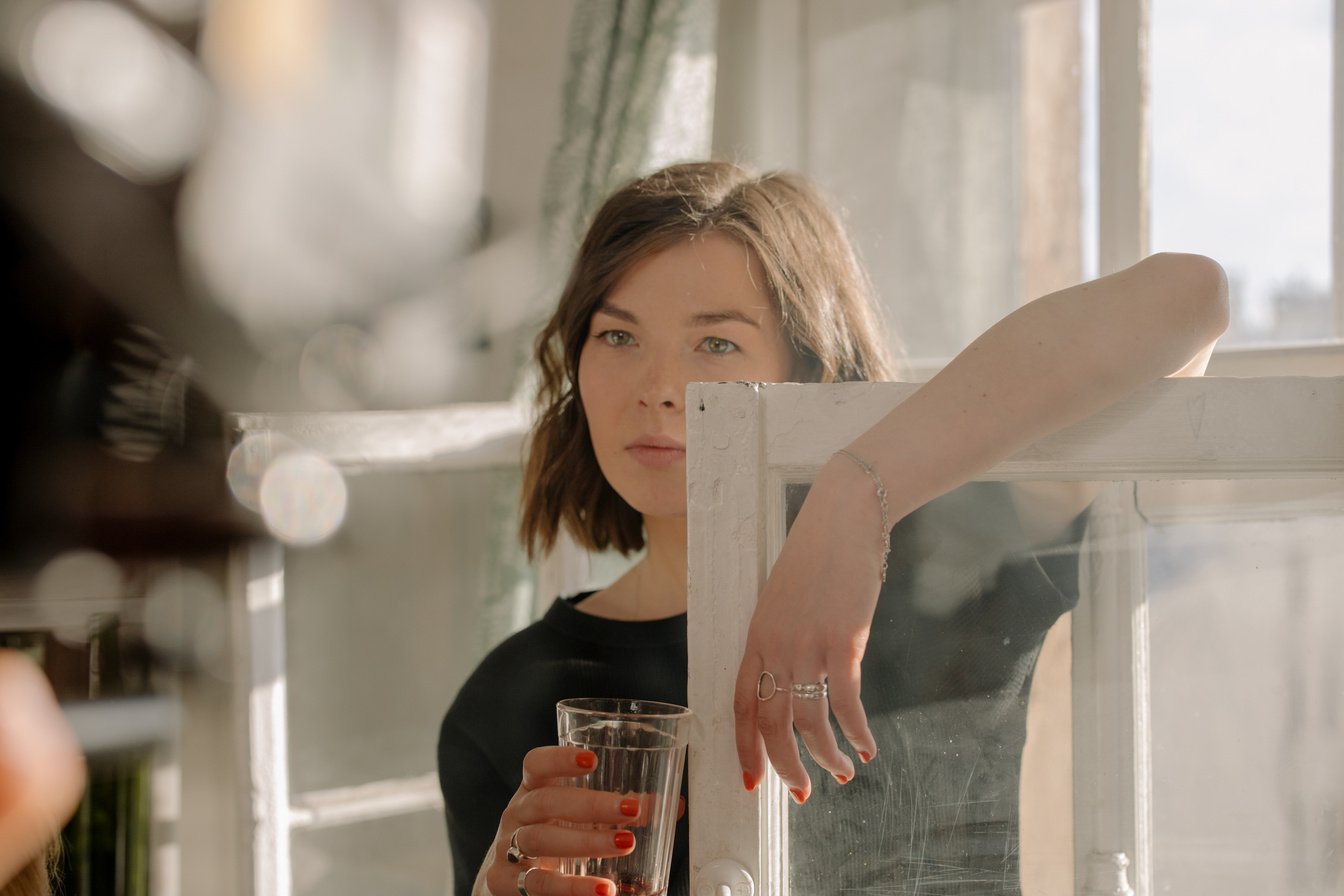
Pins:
x,y
816,690
813,690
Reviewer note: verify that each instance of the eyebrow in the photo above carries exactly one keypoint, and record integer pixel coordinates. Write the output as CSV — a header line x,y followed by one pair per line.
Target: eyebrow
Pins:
x,y
704,318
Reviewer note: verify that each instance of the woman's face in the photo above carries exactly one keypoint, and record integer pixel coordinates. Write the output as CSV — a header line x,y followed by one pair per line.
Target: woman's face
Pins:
x,y
695,312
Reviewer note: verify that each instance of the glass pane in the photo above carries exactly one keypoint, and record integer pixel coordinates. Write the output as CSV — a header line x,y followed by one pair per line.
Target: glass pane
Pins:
x,y
953,670
1241,154
949,134
1248,687
401,856
384,621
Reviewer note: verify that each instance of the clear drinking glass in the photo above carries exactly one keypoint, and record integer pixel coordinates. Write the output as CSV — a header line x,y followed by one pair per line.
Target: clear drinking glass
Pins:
x,y
641,751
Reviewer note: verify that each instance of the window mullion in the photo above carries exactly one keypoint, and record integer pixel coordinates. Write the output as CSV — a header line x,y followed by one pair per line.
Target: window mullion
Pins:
x,y
1337,170
1122,152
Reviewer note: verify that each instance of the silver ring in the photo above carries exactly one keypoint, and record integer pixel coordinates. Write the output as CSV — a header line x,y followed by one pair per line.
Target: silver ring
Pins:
x,y
522,881
516,855
815,690
761,693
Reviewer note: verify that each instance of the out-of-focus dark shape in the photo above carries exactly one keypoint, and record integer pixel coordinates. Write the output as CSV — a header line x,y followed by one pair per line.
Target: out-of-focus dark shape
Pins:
x,y
114,443
83,245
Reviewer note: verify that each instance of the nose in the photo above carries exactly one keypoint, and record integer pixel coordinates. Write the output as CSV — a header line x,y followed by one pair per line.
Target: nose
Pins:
x,y
664,384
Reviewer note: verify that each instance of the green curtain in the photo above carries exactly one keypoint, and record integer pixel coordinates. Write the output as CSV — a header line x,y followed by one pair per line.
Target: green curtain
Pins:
x,y
638,94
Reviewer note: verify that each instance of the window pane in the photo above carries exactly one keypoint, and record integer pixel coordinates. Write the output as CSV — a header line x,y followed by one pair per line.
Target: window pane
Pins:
x,y
1241,154
386,620
1247,703
949,133
400,856
956,674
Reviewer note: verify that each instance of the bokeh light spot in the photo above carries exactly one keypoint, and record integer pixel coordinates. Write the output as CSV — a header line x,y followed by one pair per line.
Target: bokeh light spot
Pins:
x,y
248,462
136,99
303,498
77,575
185,620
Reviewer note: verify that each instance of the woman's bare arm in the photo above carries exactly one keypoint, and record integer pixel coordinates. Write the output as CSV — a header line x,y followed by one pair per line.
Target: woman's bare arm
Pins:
x,y
1051,363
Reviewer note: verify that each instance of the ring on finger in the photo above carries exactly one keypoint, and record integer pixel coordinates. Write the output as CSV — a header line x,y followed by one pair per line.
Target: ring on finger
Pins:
x,y
765,692
812,690
522,881
515,854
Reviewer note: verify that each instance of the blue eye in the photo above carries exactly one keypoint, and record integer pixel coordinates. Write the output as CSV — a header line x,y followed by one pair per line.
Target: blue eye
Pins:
x,y
716,346
615,338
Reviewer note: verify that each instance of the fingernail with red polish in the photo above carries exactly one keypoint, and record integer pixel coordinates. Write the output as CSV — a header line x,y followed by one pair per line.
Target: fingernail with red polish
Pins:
x,y
586,760
843,779
604,888
630,807
866,757
798,796
623,839
749,781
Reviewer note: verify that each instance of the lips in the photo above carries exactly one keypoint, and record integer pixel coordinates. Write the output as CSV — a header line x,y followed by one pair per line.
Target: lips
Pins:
x,y
657,451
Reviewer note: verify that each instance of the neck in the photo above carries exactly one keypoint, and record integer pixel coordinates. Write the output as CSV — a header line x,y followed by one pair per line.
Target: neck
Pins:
x,y
665,560
655,587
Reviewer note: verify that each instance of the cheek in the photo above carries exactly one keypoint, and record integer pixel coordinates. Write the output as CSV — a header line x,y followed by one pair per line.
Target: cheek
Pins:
x,y
591,393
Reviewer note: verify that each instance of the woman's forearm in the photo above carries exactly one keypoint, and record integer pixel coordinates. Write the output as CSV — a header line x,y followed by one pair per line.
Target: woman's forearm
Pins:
x,y
1051,363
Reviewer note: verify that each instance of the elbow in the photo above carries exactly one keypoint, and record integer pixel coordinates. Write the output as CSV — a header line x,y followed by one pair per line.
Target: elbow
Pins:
x,y
1200,291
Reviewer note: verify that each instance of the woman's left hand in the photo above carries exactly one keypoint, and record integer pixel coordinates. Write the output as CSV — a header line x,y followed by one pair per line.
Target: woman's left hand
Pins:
x,y
811,625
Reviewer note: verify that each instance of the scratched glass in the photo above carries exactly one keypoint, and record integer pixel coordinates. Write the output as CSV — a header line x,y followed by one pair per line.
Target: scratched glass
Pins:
x,y
970,597
970,687
641,752
1245,621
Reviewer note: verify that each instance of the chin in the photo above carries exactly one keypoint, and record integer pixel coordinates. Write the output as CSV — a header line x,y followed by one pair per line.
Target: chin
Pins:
x,y
656,506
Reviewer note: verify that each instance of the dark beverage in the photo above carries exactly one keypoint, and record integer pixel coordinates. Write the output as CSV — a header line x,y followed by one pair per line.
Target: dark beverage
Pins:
x,y
636,885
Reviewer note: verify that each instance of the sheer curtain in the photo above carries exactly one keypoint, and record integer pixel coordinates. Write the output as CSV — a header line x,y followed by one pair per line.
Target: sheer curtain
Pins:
x,y
639,94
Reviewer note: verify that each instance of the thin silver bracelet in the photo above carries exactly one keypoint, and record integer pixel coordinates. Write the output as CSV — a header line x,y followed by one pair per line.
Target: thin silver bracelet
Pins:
x,y
881,501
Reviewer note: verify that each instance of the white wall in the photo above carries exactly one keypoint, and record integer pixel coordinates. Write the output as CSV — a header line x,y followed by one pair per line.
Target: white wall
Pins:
x,y
503,277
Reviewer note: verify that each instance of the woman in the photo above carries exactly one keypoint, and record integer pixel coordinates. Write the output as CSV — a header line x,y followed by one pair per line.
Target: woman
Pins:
x,y
708,272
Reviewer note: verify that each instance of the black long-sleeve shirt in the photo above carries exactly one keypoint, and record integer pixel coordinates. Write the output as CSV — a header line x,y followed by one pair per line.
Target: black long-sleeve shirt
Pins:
x,y
945,681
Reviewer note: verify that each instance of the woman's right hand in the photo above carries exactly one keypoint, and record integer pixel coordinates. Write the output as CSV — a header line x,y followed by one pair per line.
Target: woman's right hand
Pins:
x,y
534,820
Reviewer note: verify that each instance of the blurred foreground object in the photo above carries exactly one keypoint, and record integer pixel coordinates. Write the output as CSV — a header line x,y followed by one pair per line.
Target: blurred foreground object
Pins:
x,y
41,770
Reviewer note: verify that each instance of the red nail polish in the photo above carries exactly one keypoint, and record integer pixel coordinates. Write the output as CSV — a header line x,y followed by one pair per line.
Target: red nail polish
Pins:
x,y
843,779
586,760
624,839
867,758
604,888
798,796
749,781
630,807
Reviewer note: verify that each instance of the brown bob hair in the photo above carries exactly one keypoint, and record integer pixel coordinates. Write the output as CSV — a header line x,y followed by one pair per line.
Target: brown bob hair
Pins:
x,y
813,277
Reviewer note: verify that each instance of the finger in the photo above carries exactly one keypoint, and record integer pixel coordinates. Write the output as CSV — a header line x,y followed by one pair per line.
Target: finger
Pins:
x,y
506,880
544,763
848,709
811,719
557,842
750,749
774,721
559,802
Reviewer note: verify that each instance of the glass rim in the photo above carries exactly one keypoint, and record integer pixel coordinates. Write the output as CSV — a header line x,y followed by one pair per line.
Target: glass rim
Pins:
x,y
610,707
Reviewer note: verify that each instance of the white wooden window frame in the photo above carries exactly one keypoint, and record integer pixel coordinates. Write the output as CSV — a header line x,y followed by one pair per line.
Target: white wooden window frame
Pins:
x,y
748,442
485,436
761,114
